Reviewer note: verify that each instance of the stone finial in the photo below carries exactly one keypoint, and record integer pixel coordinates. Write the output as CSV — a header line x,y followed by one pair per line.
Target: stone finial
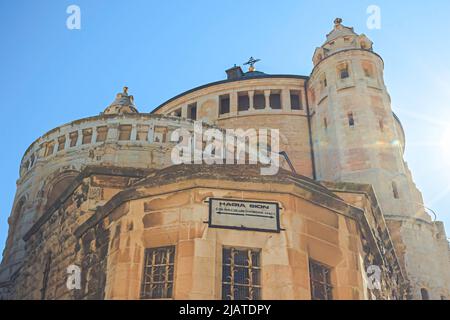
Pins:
x,y
123,104
337,22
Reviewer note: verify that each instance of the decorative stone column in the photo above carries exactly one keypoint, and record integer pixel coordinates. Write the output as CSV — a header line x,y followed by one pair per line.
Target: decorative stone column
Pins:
x,y
250,98
267,99
151,130
233,103
94,135
286,100
133,136
79,138
184,112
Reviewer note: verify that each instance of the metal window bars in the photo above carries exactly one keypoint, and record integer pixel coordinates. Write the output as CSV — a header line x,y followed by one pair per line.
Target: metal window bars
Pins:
x,y
320,279
241,274
157,281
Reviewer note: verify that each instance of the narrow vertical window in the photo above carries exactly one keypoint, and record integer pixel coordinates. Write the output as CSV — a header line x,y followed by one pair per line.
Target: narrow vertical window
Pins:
x,y
50,146
296,102
368,69
343,70
351,119
395,190
224,104
73,136
192,111
275,100
259,100
243,101
241,274
87,136
142,133
325,123
124,132
424,293
102,133
157,281
61,143
320,279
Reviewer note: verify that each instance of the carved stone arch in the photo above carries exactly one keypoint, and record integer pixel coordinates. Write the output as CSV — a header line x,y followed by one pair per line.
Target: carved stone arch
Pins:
x,y
13,221
19,207
56,184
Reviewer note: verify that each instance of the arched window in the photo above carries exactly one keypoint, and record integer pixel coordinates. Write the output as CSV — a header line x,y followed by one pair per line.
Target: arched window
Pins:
x,y
395,190
57,186
424,293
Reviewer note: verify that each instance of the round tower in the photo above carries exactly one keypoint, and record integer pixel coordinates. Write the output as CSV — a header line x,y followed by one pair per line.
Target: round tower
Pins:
x,y
119,137
357,138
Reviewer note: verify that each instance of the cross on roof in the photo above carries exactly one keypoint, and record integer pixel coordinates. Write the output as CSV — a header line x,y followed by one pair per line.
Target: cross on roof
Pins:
x,y
251,63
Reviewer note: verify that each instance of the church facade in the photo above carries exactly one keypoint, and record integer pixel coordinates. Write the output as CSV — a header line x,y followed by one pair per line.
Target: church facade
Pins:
x,y
102,212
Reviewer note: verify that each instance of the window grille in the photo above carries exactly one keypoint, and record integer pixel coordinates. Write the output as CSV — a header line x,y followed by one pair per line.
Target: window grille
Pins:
x,y
157,281
321,288
241,274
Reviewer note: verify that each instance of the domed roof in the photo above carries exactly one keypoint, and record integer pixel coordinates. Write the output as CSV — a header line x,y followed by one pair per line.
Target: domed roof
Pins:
x,y
252,74
123,104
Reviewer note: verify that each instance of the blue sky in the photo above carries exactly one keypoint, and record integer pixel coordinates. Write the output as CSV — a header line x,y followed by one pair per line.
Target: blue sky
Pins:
x,y
51,75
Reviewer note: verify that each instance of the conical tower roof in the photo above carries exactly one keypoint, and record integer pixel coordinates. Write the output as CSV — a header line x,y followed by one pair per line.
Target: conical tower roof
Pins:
x,y
123,104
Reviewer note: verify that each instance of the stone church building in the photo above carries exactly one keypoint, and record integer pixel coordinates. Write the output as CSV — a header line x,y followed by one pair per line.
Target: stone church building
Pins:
x,y
101,211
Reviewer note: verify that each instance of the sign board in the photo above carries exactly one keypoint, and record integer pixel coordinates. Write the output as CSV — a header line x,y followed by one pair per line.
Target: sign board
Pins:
x,y
242,214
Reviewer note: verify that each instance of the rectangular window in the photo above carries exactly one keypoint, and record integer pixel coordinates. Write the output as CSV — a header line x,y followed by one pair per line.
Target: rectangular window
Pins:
x,y
368,69
224,104
320,280
61,143
243,101
142,133
275,100
241,274
73,136
102,133
124,132
49,148
296,102
157,280
351,119
325,123
87,136
192,111
344,71
259,100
